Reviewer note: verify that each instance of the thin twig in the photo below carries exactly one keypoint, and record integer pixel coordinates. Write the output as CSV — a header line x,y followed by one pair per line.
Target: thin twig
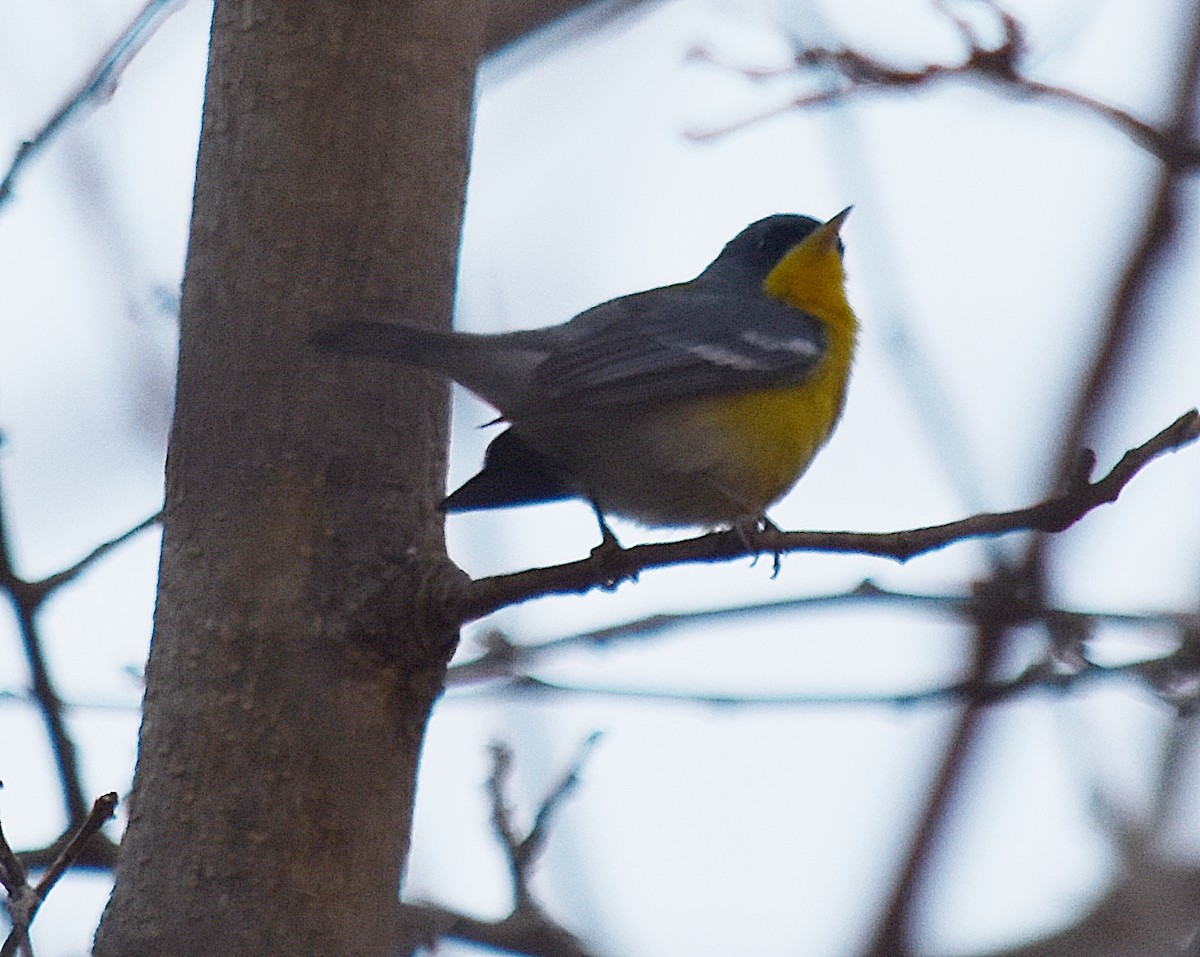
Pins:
x,y
860,74
502,822
1174,678
49,703
40,589
12,872
28,597
100,854
96,86
522,852
25,900
503,658
535,840
1097,391
20,899
102,811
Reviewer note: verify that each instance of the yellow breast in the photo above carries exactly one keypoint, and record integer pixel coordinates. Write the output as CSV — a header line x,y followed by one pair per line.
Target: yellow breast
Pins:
x,y
771,436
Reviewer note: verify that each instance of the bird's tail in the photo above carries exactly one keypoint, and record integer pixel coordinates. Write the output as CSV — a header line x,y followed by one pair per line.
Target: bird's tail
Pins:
x,y
497,372
388,340
512,474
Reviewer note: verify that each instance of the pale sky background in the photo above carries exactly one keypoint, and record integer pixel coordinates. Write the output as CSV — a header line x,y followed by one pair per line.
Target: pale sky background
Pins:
x,y
983,250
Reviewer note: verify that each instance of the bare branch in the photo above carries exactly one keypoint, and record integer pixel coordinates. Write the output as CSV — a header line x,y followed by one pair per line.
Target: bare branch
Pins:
x,y
39,590
522,852
502,823
27,597
858,74
23,899
102,811
12,872
527,930
536,839
505,659
99,854
1175,678
1097,389
95,87
49,703
1060,511
894,931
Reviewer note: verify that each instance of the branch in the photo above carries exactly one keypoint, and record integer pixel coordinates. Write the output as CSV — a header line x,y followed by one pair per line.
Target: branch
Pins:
x,y
1175,679
99,854
27,597
24,899
523,851
96,86
502,824
16,883
527,930
102,811
49,703
1177,150
605,569
1128,315
1002,65
38,591
503,658
506,659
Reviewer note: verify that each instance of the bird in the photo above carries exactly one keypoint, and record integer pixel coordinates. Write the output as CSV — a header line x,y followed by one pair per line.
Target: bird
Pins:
x,y
697,404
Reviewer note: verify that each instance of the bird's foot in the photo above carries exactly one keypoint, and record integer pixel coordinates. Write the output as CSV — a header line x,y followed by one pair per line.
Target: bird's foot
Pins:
x,y
757,536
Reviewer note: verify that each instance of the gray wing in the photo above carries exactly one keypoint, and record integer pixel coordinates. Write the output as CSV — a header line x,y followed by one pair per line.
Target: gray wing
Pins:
x,y
685,344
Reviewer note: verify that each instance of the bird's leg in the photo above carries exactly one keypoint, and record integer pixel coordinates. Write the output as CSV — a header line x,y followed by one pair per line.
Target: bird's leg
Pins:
x,y
608,540
751,531
609,551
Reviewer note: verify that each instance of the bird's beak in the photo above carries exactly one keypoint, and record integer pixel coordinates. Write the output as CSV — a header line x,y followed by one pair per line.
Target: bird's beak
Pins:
x,y
827,233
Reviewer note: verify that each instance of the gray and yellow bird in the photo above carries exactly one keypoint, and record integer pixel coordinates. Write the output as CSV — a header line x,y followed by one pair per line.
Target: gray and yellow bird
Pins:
x,y
695,404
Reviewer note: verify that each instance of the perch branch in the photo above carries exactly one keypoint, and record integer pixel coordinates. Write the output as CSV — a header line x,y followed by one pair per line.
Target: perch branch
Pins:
x,y
1056,513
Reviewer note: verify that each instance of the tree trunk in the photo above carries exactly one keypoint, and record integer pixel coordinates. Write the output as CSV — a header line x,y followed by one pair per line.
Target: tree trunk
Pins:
x,y
297,649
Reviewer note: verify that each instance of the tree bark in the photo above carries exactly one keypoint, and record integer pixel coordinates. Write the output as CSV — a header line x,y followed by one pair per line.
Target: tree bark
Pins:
x,y
297,649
